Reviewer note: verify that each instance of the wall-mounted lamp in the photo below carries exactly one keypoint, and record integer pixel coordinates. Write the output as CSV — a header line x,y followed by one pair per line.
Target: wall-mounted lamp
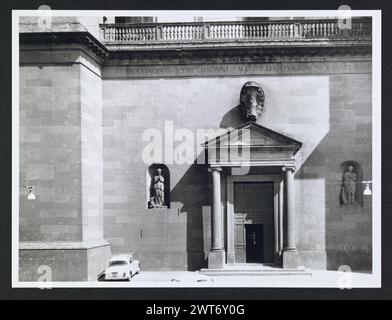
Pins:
x,y
367,191
31,195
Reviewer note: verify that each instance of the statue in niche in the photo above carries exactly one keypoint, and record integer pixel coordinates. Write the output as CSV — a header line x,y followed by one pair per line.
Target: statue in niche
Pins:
x,y
349,186
251,100
157,199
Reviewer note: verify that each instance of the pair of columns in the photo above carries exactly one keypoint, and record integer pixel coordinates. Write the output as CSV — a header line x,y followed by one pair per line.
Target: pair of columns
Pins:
x,y
216,257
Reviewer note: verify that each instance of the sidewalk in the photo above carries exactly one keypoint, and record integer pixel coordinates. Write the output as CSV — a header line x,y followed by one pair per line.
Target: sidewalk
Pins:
x,y
323,279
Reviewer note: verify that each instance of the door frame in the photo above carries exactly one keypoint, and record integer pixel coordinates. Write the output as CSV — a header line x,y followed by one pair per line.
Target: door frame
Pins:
x,y
278,211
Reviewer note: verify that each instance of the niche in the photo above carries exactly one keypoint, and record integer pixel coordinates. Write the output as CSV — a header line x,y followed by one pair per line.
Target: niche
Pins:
x,y
158,186
351,189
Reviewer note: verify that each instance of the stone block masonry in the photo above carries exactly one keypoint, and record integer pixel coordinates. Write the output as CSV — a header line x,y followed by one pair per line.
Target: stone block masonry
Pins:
x,y
83,113
325,112
61,153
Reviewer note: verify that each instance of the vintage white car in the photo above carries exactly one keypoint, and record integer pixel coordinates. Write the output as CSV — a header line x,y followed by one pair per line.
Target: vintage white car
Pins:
x,y
121,267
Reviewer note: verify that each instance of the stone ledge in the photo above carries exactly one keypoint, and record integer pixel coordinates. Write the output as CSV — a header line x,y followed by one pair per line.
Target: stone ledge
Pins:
x,y
54,38
237,44
27,245
78,263
241,54
244,269
49,23
60,55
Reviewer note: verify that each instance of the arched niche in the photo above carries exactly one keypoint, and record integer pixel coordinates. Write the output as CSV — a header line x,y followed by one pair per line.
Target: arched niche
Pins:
x,y
158,186
350,170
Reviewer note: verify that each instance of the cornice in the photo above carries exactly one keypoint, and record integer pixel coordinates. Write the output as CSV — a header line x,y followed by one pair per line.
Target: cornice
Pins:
x,y
82,38
245,54
229,54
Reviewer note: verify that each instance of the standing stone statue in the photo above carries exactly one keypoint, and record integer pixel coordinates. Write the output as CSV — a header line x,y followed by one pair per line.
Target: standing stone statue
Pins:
x,y
252,100
158,190
349,186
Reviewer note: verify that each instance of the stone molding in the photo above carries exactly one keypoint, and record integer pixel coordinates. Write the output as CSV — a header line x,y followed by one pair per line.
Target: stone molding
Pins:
x,y
84,39
228,56
82,245
247,69
60,55
257,52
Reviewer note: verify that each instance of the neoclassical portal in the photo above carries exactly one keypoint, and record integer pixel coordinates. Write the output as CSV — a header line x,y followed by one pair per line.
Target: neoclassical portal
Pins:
x,y
253,167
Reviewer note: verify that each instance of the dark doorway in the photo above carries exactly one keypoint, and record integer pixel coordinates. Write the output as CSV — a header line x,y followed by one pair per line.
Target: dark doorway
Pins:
x,y
254,222
254,243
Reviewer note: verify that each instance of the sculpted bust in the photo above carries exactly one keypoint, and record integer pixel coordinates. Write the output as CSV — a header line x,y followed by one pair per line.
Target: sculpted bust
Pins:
x,y
251,100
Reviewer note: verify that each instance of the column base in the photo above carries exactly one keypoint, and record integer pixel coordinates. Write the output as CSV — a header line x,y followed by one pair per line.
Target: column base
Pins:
x,y
216,259
230,257
278,258
290,259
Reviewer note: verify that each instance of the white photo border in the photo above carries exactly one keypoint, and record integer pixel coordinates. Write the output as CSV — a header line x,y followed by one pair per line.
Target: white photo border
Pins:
x,y
374,279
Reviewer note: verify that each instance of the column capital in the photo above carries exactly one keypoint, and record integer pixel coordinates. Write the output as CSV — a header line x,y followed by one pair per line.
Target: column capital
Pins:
x,y
289,167
212,169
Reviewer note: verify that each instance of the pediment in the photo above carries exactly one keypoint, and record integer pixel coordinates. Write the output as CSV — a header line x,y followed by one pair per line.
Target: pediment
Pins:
x,y
255,145
254,135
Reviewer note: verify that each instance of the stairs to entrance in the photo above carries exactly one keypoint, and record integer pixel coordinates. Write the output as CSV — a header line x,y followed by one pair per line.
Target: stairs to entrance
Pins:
x,y
249,269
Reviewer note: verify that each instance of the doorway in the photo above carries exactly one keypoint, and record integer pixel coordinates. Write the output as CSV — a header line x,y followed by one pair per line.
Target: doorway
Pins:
x,y
254,222
254,243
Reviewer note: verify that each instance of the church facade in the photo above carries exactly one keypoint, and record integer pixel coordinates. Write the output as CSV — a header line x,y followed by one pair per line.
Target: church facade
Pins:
x,y
195,145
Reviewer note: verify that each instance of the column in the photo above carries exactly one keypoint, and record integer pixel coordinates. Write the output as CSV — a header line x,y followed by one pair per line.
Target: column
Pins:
x,y
290,257
216,255
276,223
230,255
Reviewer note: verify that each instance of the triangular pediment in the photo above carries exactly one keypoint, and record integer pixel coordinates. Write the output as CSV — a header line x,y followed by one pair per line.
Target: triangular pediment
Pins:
x,y
255,136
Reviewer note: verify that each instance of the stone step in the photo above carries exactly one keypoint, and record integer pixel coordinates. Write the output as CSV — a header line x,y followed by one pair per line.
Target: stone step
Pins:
x,y
254,271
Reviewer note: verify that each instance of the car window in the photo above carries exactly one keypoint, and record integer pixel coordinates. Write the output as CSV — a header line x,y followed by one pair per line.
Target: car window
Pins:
x,y
117,263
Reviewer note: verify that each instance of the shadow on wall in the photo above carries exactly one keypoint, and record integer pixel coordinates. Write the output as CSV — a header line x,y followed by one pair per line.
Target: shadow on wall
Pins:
x,y
232,119
348,228
193,192
348,232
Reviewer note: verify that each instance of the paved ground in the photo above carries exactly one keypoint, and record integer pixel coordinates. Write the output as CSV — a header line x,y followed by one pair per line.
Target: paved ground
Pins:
x,y
194,279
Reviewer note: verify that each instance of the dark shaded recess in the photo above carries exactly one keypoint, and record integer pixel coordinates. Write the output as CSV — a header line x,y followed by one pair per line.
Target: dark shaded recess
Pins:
x,y
359,187
193,191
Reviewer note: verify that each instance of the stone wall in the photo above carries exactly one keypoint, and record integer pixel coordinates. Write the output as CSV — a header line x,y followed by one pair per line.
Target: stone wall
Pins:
x,y
346,230
91,154
329,113
349,230
83,128
61,154
50,153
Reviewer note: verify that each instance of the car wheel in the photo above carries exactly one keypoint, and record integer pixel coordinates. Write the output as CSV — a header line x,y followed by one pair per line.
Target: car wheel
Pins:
x,y
101,277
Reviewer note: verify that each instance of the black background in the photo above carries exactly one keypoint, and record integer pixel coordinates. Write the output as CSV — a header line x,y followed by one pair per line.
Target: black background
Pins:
x,y
6,292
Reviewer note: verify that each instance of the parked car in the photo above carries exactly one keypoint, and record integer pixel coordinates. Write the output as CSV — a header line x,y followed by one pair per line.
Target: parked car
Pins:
x,y
121,267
